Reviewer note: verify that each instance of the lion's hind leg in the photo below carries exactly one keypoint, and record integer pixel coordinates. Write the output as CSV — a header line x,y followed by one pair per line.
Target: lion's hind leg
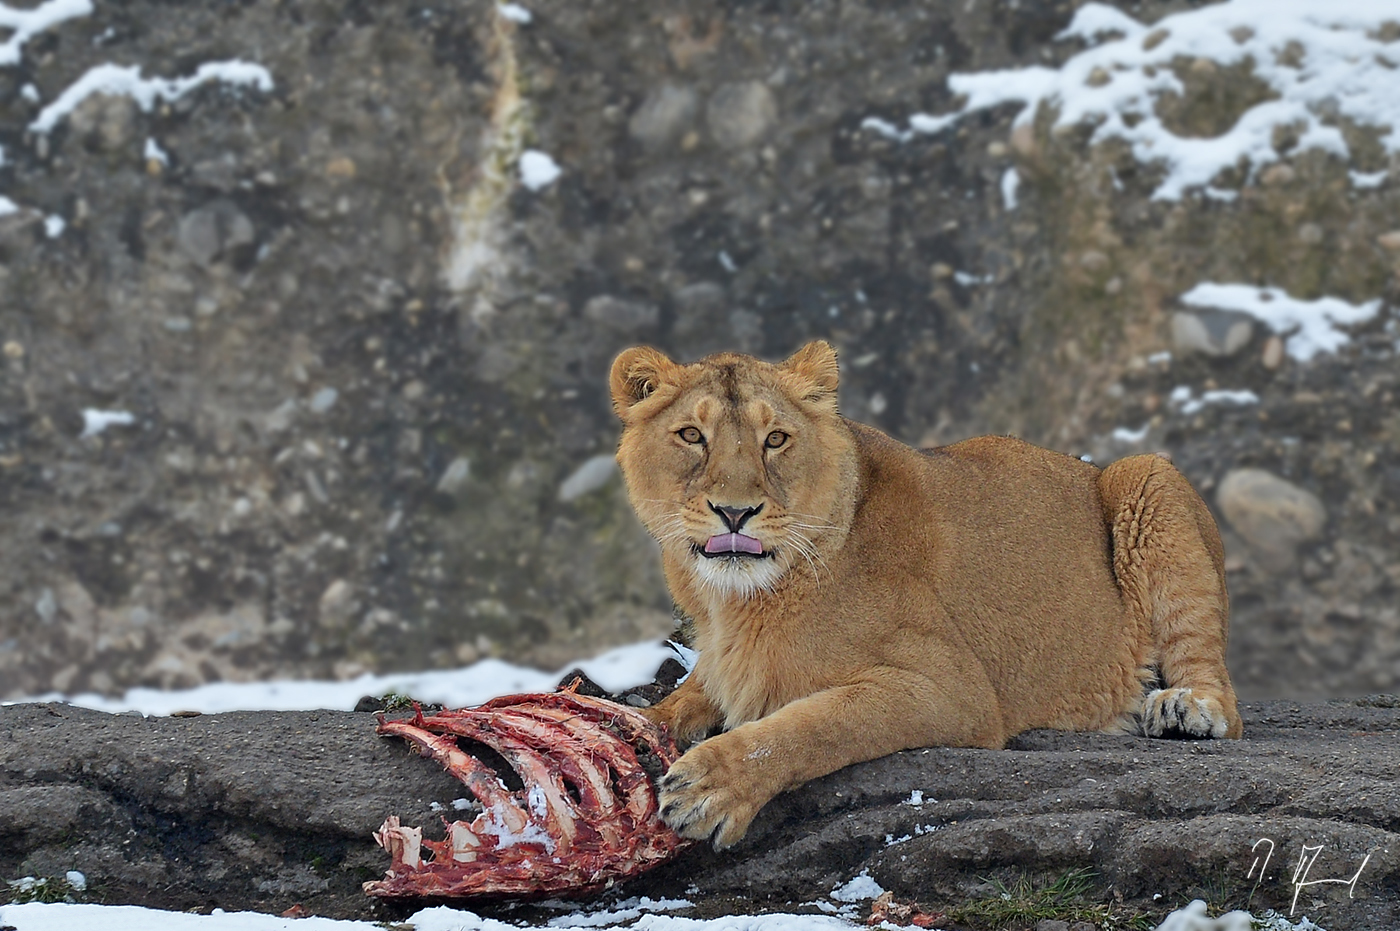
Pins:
x,y
1170,566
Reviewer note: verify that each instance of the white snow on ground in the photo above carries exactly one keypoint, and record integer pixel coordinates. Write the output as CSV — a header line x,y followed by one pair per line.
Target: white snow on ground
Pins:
x,y
1344,70
1363,179
29,23
1194,917
115,79
96,421
1129,435
614,670
515,13
7,206
1182,397
537,169
860,888
1010,184
626,910
153,152
1313,324
40,917
886,128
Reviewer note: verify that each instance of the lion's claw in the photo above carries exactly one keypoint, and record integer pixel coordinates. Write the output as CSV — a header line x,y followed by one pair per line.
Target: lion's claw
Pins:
x,y
1179,711
701,796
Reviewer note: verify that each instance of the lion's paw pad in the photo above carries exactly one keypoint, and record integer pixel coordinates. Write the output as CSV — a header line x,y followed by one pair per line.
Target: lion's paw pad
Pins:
x,y
1179,712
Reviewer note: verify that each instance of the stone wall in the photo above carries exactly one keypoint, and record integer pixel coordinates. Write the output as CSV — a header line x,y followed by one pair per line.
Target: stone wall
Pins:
x,y
365,364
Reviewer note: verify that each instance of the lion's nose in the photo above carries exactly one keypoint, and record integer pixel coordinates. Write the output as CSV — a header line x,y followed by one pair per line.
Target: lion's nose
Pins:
x,y
734,518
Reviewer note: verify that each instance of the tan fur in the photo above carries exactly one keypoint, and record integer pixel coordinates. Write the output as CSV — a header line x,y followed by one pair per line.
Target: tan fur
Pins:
x,y
950,597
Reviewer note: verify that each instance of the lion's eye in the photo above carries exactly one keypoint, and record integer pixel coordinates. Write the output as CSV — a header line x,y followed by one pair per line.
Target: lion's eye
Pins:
x,y
691,435
775,439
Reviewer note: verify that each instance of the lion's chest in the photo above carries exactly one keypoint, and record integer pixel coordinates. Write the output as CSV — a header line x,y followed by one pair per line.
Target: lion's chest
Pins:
x,y
753,664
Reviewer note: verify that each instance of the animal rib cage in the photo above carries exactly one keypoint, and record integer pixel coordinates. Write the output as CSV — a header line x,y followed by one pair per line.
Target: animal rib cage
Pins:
x,y
585,816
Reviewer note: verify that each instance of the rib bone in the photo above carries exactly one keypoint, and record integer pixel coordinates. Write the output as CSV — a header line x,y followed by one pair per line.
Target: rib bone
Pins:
x,y
586,816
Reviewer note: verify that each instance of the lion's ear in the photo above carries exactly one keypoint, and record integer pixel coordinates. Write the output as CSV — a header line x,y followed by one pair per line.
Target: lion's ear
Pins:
x,y
636,374
815,364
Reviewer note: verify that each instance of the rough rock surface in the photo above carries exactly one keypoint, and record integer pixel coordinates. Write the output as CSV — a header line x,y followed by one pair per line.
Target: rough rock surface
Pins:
x,y
267,810
363,363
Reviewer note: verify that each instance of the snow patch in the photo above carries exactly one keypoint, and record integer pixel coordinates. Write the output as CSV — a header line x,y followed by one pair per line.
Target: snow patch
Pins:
x,y
29,23
859,888
95,421
1312,325
54,225
1182,397
886,128
1010,184
115,79
1194,917
1345,70
616,670
538,170
967,279
515,13
1364,180
154,153
1127,435
626,910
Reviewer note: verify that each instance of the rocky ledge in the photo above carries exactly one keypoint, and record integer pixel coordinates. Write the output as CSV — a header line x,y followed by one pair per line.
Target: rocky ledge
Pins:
x,y
268,810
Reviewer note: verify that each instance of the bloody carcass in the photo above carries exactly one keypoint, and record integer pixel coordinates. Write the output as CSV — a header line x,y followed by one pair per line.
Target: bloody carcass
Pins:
x,y
585,817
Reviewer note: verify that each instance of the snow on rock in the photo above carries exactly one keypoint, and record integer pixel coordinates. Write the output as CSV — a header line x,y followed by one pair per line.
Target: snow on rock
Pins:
x,y
1129,435
1345,70
1312,325
615,670
1195,918
116,79
7,206
859,888
515,13
26,24
626,910
537,169
38,916
1363,179
1182,397
154,153
1010,184
96,421
886,128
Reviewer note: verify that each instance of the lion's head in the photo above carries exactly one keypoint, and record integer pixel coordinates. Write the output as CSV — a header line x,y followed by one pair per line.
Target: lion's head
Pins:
x,y
741,469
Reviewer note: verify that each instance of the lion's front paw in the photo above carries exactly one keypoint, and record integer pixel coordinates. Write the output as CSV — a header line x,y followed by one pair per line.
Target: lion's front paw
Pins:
x,y
1180,712
709,793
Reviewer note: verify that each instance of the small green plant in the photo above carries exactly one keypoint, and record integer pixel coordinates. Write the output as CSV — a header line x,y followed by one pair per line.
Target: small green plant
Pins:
x,y
396,701
1023,903
39,889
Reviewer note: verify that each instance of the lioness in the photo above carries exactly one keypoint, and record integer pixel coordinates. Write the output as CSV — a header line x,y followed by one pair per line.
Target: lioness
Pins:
x,y
853,596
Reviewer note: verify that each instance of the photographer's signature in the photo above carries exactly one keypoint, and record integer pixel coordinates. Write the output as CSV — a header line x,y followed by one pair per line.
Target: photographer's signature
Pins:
x,y
1301,872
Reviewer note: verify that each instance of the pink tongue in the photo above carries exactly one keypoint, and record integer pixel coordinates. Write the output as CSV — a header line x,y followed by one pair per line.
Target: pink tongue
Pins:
x,y
733,543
